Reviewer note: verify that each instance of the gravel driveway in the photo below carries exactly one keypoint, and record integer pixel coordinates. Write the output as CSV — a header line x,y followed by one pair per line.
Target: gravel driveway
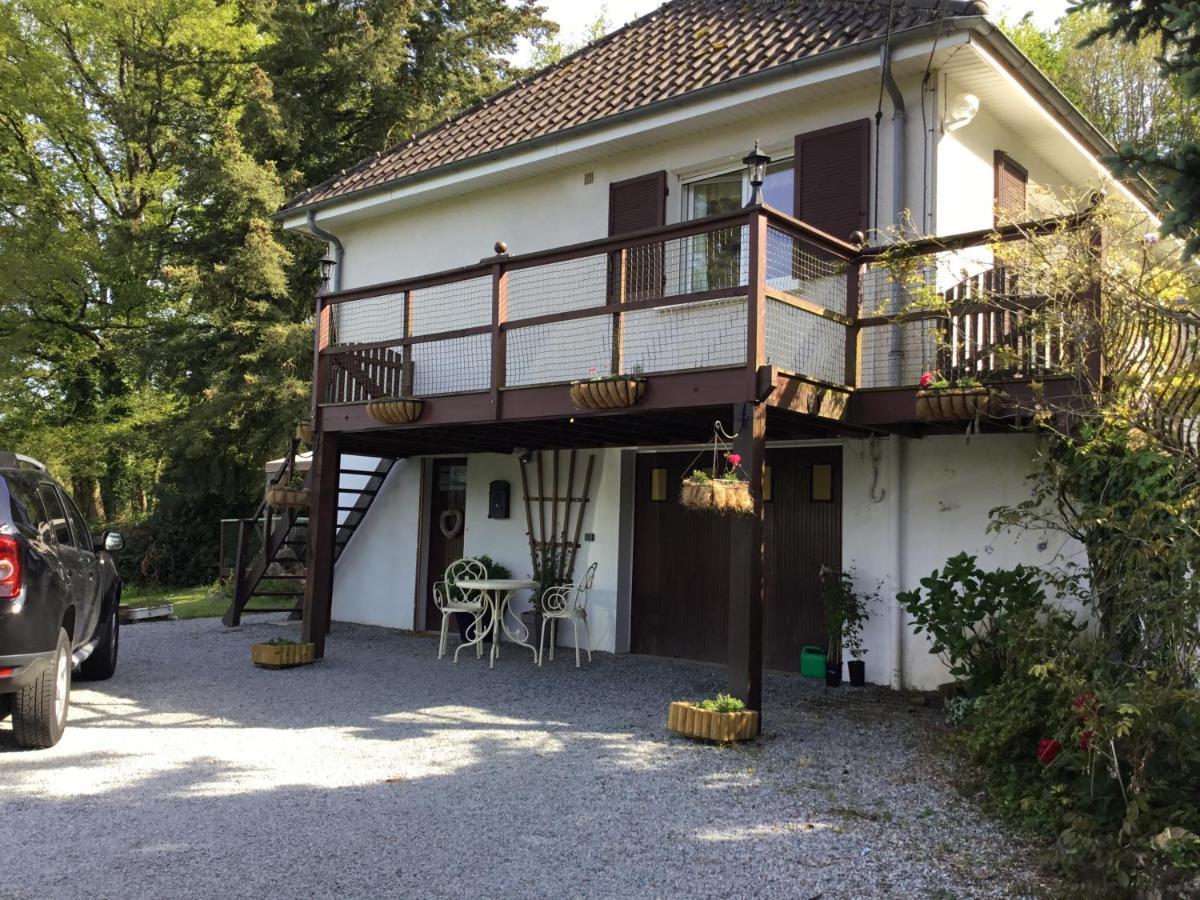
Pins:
x,y
383,772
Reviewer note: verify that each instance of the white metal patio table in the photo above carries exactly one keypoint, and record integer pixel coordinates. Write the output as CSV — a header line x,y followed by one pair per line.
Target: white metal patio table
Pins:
x,y
499,592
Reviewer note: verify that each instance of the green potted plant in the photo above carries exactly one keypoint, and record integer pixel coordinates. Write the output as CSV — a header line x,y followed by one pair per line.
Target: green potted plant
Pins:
x,y
845,616
722,718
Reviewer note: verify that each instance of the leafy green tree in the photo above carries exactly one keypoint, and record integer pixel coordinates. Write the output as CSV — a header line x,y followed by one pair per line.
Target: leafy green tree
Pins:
x,y
1172,29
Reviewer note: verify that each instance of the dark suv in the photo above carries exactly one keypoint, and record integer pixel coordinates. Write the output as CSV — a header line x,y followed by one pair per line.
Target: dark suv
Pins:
x,y
59,593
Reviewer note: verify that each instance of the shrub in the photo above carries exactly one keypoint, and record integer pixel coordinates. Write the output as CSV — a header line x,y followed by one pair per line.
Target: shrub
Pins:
x,y
978,620
722,703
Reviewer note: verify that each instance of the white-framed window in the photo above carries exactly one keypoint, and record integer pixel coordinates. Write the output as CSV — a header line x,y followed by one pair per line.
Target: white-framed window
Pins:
x,y
719,260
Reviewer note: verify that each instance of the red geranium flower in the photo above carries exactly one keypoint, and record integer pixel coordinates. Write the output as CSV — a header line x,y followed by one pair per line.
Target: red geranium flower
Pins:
x,y
1048,749
735,459
926,379
1085,706
1085,741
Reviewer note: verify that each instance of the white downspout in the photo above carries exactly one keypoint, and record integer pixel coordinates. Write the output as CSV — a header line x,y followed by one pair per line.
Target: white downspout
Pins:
x,y
900,619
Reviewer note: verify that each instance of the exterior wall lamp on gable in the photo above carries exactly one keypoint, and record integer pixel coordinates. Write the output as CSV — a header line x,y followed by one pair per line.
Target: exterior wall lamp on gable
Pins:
x,y
327,265
756,164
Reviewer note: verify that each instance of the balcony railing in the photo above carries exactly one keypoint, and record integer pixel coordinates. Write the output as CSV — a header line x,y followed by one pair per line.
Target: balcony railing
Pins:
x,y
735,291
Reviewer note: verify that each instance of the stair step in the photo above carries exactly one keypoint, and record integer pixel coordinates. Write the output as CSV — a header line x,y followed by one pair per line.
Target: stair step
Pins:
x,y
362,472
277,594
282,577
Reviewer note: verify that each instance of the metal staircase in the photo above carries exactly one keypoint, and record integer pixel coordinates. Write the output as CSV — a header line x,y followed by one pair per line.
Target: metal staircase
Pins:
x,y
272,549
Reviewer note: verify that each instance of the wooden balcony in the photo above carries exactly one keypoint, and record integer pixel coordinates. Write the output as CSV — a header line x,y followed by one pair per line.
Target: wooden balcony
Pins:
x,y
748,306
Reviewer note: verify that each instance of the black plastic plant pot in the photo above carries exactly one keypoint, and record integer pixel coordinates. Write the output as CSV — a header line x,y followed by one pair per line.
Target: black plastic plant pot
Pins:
x,y
833,674
858,672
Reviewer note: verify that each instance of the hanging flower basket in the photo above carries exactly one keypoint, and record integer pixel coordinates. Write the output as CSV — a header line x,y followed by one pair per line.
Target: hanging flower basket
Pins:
x,y
690,720
283,497
608,393
720,495
398,411
957,404
304,432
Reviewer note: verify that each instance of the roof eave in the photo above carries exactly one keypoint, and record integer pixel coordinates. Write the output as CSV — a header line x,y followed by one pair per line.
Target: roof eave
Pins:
x,y
820,59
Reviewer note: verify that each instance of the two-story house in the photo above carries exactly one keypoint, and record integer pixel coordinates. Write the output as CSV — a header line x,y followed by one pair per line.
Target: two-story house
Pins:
x,y
602,217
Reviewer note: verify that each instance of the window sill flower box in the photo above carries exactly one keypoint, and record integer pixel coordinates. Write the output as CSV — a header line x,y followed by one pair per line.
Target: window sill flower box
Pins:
x,y
957,404
281,654
397,411
691,720
618,392
282,497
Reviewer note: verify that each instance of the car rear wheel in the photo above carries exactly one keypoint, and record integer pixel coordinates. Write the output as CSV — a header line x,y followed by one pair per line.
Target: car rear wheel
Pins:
x,y
103,661
40,710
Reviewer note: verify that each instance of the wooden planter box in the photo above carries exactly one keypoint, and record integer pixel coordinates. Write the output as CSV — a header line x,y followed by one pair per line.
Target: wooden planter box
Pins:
x,y
717,495
400,411
281,656
692,721
287,498
957,404
608,393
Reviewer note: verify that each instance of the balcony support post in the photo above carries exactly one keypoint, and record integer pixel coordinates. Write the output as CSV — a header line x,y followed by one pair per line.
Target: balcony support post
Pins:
x,y
406,353
322,527
854,269
499,335
746,550
756,302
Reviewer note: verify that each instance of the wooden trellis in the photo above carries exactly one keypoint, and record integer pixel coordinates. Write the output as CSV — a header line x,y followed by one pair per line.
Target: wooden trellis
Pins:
x,y
555,540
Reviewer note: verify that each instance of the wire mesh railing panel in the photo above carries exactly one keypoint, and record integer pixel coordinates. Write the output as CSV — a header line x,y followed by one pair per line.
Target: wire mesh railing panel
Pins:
x,y
453,366
896,355
796,267
448,307
701,335
557,287
367,320
559,351
805,344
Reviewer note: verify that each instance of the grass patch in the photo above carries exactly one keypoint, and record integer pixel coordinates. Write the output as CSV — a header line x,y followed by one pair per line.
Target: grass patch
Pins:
x,y
204,602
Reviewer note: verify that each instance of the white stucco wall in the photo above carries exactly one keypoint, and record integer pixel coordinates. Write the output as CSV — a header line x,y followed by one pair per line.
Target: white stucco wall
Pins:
x,y
505,540
375,579
934,498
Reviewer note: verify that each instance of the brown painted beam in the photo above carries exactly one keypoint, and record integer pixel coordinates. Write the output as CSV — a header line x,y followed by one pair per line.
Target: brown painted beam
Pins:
x,y
746,549
322,523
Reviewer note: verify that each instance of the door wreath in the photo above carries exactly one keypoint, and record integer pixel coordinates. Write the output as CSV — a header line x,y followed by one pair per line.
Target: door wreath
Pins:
x,y
450,523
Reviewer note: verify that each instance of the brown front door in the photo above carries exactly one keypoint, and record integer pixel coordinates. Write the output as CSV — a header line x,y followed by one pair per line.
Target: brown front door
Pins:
x,y
681,560
447,511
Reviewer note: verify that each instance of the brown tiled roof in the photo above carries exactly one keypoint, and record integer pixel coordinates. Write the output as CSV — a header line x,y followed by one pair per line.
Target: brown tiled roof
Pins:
x,y
682,46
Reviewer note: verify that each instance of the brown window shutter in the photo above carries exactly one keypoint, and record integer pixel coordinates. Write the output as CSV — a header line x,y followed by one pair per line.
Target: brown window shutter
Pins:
x,y
637,204
1012,188
833,178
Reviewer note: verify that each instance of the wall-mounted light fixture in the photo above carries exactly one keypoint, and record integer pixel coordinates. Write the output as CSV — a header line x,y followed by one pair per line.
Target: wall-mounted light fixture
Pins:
x,y
327,265
963,110
756,164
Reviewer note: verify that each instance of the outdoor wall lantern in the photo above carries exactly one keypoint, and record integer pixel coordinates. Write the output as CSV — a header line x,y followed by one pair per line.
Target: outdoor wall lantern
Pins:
x,y
327,265
756,165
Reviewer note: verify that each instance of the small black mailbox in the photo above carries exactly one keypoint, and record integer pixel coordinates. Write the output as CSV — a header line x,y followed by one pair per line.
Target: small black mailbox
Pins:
x,y
498,494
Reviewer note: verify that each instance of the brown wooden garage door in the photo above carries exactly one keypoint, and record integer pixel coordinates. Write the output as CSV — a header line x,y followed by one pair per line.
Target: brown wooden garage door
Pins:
x,y
681,559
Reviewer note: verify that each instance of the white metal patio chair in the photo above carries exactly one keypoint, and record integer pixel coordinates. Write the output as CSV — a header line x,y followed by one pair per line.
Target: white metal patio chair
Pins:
x,y
567,601
451,600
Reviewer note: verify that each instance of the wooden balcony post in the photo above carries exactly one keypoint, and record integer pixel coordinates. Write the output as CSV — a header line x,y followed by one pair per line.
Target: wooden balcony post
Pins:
x,y
756,302
620,285
854,269
499,336
746,562
321,340
406,354
322,531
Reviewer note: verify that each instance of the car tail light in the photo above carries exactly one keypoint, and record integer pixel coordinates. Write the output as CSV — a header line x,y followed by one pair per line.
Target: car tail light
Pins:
x,y
10,567
7,673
